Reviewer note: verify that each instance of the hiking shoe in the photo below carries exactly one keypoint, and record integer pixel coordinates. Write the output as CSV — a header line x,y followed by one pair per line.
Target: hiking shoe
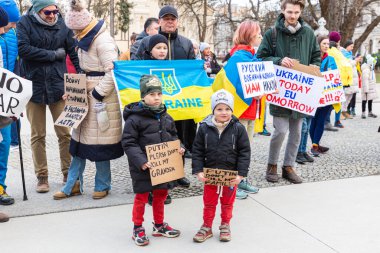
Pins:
x,y
5,199
184,182
322,149
265,133
315,151
165,230
240,194
289,174
247,187
370,114
74,192
99,195
42,185
347,115
300,158
3,217
168,200
329,127
271,174
338,124
225,233
203,234
363,116
308,158
140,237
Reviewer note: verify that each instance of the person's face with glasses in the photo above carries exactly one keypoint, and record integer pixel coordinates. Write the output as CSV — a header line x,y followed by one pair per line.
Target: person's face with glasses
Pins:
x,y
49,13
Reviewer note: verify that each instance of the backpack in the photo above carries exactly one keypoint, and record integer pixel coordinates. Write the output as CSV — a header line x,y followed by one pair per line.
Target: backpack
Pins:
x,y
274,39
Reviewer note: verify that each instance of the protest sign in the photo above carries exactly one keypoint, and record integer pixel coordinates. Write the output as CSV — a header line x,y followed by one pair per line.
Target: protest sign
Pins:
x,y
219,177
76,106
333,92
15,93
167,163
298,91
257,78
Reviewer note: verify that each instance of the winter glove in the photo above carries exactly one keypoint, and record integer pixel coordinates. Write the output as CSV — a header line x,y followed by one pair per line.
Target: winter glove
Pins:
x,y
102,116
60,54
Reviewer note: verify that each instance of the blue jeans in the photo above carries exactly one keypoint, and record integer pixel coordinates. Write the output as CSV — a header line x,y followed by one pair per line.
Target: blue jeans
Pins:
x,y
304,135
4,153
318,124
337,115
102,176
14,135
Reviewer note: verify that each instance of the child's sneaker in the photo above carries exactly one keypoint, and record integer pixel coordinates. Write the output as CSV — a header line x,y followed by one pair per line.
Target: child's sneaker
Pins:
x,y
240,194
203,234
225,233
247,187
165,230
140,237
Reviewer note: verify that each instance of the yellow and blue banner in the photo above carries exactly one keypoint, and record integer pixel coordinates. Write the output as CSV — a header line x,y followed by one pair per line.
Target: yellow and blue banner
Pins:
x,y
185,86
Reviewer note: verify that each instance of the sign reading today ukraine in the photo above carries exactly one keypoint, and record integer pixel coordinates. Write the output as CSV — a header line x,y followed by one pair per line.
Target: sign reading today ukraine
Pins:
x,y
185,86
298,91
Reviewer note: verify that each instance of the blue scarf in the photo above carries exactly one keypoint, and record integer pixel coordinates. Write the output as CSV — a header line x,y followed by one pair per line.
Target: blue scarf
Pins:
x,y
86,41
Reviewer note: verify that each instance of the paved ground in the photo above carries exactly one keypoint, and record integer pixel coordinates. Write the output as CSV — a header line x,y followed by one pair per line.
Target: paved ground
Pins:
x,y
354,153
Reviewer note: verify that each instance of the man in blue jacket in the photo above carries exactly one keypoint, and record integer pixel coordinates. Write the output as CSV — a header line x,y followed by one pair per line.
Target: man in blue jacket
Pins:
x,y
43,42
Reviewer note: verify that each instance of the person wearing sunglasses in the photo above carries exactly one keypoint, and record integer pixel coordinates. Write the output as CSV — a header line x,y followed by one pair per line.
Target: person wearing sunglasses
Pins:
x,y
43,43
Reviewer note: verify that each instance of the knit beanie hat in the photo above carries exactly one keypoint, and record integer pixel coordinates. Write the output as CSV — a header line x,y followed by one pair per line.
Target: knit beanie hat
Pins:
x,y
40,4
222,97
11,8
148,84
334,36
3,17
203,46
155,39
77,17
348,43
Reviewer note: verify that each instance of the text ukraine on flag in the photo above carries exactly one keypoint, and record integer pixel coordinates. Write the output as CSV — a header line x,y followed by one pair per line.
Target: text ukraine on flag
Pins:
x,y
185,85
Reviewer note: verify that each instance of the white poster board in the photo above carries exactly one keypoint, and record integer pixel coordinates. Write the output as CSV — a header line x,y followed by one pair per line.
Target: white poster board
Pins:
x,y
333,92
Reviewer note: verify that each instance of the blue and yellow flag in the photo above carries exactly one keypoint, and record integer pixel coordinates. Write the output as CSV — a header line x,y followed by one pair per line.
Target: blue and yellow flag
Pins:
x,y
185,86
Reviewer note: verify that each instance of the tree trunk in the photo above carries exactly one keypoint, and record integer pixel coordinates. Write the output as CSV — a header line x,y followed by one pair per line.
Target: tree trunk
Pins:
x,y
365,34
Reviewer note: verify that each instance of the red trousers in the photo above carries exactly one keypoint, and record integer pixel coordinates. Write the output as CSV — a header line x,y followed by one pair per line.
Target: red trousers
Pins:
x,y
210,200
141,199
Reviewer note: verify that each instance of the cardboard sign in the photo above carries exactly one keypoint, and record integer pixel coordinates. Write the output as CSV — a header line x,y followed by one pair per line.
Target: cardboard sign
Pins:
x,y
167,163
311,70
219,177
333,92
298,91
15,93
257,78
76,106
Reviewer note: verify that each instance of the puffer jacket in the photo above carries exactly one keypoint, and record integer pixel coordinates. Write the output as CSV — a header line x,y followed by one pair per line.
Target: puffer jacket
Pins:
x,y
36,46
88,141
143,127
301,45
179,47
8,43
229,151
369,91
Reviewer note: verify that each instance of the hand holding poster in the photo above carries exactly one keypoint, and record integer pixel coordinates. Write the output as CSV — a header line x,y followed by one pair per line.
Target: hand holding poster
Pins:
x,y
257,78
167,163
333,92
15,93
219,177
76,106
298,91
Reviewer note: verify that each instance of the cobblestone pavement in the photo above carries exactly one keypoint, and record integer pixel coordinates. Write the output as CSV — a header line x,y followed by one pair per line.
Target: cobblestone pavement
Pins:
x,y
354,152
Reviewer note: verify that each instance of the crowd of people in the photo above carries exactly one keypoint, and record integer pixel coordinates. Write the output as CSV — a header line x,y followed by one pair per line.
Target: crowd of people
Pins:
x,y
39,44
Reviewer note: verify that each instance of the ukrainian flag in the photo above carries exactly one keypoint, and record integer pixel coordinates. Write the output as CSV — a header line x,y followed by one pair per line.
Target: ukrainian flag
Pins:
x,y
185,86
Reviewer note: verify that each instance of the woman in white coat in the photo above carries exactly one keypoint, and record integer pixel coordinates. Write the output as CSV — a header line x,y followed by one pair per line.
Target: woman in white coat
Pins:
x,y
369,92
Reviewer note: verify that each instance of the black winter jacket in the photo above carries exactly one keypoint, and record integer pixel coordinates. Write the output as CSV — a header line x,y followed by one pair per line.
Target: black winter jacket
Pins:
x,y
179,48
230,151
143,127
137,43
36,46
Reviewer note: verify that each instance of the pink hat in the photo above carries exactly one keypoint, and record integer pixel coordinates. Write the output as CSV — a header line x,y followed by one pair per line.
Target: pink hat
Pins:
x,y
77,17
334,36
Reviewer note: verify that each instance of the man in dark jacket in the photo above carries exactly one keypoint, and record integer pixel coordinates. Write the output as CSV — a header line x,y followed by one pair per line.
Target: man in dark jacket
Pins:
x,y
291,39
151,27
43,42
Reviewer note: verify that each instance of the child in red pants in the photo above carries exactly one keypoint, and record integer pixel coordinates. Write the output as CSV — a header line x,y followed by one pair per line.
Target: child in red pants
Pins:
x,y
221,143
146,123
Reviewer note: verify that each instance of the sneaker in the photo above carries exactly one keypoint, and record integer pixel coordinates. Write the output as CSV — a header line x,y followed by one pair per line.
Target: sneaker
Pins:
x,y
322,149
240,194
338,124
247,187
168,200
315,151
347,115
166,231
184,182
363,116
5,199
308,158
300,158
265,133
203,234
370,114
289,174
225,233
330,127
140,237
353,113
